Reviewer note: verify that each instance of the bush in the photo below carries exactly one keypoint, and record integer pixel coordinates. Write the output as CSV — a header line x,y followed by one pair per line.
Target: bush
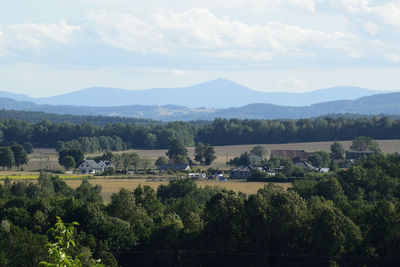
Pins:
x,y
109,171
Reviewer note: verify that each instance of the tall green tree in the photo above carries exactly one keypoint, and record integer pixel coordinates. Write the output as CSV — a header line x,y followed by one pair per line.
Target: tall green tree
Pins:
x,y
176,148
75,153
320,159
6,157
126,160
161,161
337,150
68,162
259,151
204,153
365,143
20,156
209,154
199,152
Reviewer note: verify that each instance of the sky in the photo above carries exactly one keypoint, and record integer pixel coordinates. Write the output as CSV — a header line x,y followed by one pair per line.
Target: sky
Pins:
x,y
51,47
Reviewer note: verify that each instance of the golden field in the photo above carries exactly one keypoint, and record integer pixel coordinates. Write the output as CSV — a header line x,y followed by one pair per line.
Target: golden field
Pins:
x,y
110,186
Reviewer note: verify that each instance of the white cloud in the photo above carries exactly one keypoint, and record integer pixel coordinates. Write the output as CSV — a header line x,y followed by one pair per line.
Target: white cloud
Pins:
x,y
2,44
199,32
393,58
371,28
386,11
306,4
292,83
31,36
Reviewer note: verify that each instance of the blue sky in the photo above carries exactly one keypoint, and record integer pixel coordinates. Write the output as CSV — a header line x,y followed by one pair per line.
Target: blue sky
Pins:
x,y
53,47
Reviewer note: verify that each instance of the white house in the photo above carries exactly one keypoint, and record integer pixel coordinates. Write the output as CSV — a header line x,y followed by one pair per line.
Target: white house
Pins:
x,y
91,166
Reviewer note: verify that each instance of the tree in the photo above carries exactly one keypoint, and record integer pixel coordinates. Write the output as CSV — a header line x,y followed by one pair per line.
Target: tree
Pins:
x,y
63,235
126,160
20,156
110,170
176,148
135,160
337,150
116,160
199,152
68,162
320,159
6,157
108,155
161,161
259,151
242,160
146,163
77,154
179,159
365,143
28,147
130,159
209,155
204,153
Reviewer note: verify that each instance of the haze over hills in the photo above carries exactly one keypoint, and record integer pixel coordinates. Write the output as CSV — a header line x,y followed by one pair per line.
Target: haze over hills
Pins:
x,y
370,105
219,93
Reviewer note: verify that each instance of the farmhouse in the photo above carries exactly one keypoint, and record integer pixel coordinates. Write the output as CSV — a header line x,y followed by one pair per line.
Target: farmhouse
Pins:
x,y
306,166
197,176
91,166
174,167
294,155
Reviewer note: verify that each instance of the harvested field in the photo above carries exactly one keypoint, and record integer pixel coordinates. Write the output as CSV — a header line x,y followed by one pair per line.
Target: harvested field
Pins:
x,y
111,186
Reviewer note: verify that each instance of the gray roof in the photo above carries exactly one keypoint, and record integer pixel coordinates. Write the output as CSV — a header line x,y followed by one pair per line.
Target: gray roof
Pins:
x,y
92,164
175,167
305,165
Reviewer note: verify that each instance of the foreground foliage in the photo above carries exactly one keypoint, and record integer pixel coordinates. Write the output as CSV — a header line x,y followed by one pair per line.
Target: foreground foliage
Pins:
x,y
347,220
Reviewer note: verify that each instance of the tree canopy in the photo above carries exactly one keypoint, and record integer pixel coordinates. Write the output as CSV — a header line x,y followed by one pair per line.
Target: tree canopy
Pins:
x,y
365,143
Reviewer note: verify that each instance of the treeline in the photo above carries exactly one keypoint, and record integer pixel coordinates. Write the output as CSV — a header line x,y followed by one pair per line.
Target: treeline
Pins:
x,y
347,220
14,155
219,132
93,144
38,116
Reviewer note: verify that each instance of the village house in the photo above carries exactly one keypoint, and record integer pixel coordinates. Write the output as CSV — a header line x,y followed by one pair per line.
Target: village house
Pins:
x,y
197,176
308,167
90,166
174,167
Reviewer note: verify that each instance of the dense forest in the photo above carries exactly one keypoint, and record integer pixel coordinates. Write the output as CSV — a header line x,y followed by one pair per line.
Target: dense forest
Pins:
x,y
219,132
38,116
350,219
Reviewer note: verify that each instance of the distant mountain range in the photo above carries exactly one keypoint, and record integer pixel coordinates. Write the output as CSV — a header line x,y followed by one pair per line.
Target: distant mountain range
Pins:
x,y
219,93
369,105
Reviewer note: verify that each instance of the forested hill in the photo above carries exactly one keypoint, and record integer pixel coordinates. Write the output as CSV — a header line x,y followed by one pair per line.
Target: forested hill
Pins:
x,y
370,105
38,116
